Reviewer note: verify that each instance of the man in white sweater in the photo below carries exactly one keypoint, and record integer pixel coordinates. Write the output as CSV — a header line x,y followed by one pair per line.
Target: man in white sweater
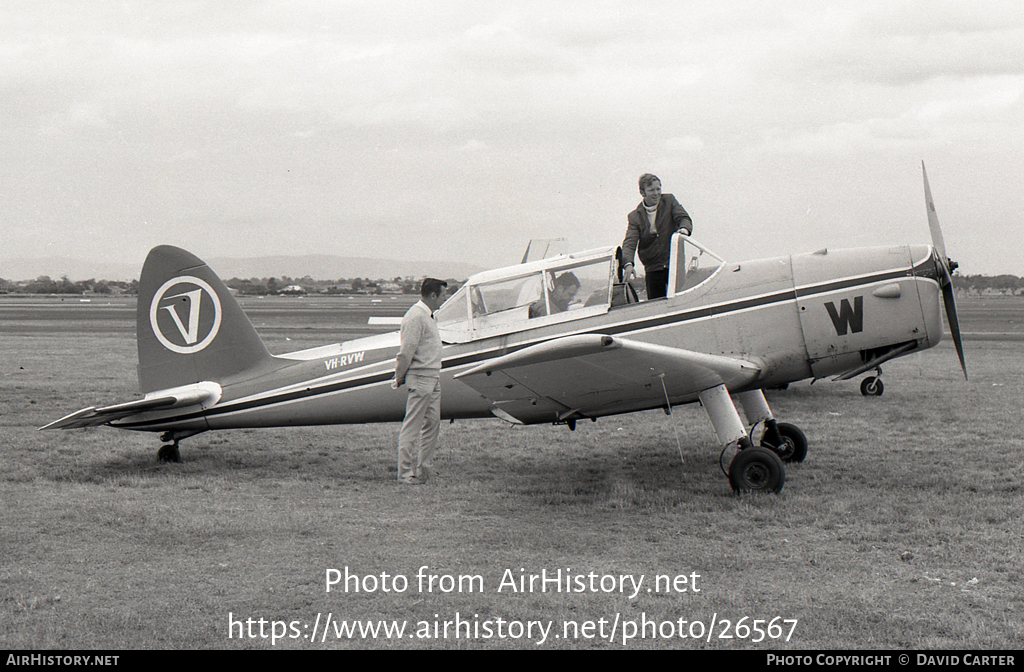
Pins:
x,y
418,366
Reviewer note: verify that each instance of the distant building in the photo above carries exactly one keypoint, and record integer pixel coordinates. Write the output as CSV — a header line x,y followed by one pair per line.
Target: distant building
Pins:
x,y
293,290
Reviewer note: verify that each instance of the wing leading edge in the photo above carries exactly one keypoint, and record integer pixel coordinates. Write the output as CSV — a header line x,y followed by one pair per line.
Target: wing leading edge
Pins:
x,y
592,374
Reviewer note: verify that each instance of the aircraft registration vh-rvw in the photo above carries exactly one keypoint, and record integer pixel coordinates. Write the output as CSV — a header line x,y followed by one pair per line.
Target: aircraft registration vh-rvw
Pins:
x,y
724,332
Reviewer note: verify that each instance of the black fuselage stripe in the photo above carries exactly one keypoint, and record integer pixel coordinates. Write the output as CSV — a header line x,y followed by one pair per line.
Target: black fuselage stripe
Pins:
x,y
472,358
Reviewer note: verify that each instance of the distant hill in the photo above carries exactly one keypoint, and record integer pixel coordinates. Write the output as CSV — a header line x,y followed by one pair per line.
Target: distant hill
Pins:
x,y
316,266
75,269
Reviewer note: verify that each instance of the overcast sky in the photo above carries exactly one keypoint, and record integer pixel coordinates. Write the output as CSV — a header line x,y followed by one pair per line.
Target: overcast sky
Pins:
x,y
439,130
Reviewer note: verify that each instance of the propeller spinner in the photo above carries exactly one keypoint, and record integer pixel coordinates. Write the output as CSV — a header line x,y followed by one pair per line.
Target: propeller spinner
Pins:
x,y
945,266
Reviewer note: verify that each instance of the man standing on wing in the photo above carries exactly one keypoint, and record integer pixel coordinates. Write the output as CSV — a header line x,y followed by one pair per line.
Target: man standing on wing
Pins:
x,y
649,235
418,366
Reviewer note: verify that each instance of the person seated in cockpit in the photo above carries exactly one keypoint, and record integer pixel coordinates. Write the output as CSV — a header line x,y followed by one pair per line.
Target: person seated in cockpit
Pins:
x,y
561,295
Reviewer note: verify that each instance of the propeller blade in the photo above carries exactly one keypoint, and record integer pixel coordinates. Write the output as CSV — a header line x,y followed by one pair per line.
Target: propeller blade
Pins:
x,y
954,323
944,266
933,220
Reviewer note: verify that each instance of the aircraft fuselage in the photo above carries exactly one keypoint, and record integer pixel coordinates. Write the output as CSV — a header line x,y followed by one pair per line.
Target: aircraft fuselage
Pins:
x,y
796,317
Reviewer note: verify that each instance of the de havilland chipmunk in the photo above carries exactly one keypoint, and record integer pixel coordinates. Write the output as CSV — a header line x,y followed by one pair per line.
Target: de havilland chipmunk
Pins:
x,y
724,333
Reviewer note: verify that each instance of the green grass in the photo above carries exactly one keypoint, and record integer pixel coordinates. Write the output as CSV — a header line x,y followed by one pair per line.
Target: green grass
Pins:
x,y
903,528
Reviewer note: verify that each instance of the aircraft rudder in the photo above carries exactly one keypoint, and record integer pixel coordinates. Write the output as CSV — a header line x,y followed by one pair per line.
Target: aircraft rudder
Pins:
x,y
190,327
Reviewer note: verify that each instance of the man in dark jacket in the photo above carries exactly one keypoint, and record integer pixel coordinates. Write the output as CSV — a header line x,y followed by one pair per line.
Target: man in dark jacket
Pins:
x,y
649,235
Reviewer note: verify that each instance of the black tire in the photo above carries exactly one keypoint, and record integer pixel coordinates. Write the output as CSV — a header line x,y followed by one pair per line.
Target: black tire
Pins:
x,y
794,443
872,387
169,453
757,470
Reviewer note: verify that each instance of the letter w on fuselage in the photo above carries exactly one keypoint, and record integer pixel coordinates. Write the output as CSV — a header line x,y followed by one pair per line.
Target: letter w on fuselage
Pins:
x,y
847,318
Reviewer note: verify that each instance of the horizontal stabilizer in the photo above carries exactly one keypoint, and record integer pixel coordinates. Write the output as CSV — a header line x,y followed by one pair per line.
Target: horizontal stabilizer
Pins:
x,y
92,416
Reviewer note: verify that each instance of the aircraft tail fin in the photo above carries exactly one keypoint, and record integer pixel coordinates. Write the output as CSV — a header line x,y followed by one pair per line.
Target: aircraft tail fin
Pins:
x,y
190,328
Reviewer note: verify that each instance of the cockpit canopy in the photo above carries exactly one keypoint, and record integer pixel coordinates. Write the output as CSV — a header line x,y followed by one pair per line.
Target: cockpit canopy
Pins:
x,y
557,289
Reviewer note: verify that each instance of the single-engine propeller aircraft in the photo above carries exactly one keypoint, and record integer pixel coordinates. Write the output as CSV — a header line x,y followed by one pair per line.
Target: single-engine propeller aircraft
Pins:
x,y
724,332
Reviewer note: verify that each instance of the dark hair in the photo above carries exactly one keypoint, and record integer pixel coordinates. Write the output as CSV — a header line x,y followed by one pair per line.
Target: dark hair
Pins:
x,y
646,179
432,286
566,279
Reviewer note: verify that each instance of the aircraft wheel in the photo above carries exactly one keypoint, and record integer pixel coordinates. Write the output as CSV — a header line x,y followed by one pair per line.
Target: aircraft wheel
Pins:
x,y
794,443
871,387
757,470
169,453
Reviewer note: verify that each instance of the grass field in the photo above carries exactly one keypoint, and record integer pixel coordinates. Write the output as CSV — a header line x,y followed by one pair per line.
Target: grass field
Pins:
x,y
904,528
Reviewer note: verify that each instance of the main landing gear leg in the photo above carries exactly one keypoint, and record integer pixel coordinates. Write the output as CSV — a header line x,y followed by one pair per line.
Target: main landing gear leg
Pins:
x,y
787,440
753,469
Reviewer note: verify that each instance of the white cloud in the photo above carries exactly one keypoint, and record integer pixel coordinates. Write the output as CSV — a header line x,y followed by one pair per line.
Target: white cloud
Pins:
x,y
684,145
473,146
308,111
980,99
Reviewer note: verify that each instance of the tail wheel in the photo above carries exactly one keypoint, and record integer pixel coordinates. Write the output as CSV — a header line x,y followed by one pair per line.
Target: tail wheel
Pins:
x,y
872,387
757,470
169,453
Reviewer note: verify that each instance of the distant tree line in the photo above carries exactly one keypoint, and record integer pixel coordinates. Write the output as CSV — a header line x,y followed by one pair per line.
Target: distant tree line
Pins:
x,y
285,284
46,285
1005,284
250,286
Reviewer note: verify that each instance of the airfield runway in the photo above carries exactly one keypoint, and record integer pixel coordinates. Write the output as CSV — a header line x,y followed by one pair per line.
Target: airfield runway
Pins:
x,y
903,529
321,319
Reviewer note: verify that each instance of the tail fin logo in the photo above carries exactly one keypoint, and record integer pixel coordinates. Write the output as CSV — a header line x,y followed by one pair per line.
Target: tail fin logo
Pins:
x,y
180,318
